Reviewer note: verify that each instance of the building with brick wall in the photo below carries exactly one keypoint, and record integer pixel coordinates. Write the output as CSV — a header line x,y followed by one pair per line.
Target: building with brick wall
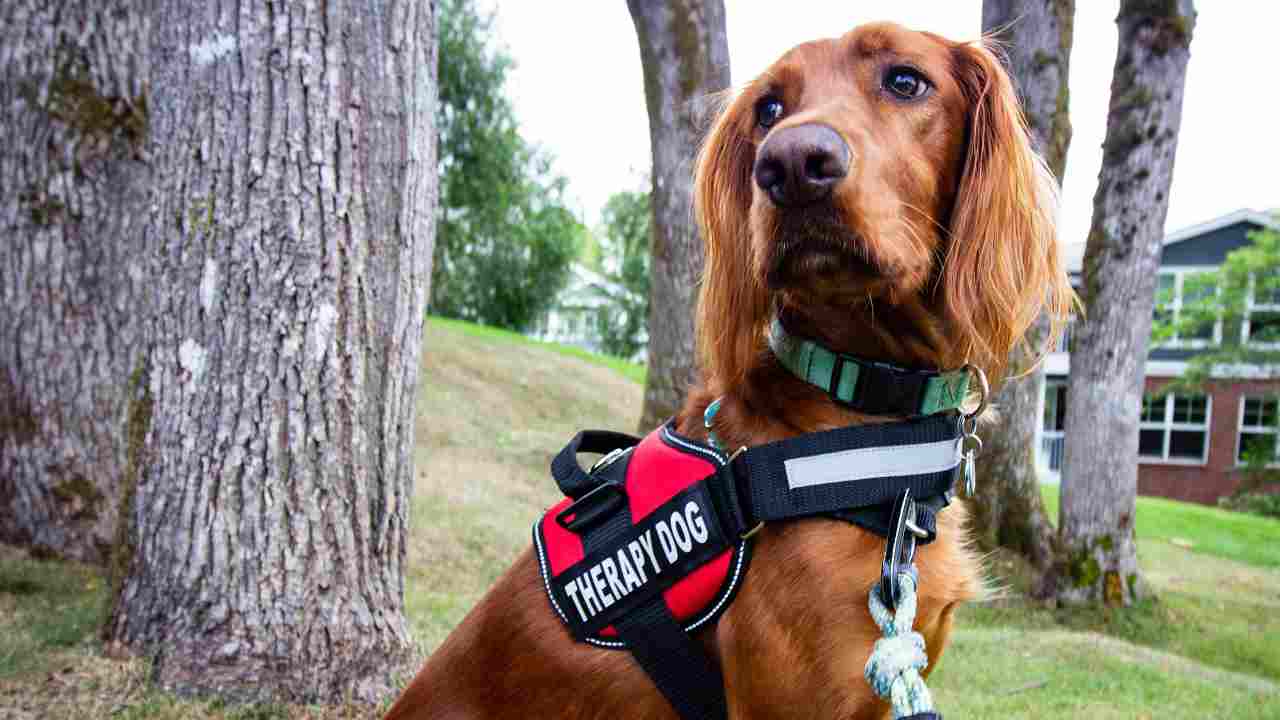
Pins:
x,y
1190,445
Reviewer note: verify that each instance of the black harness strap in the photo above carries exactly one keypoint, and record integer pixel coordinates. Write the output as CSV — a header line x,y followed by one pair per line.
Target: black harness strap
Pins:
x,y
674,660
877,518
769,478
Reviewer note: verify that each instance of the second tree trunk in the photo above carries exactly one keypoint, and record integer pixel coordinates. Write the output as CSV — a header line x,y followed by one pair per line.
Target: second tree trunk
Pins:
x,y
685,56
1098,561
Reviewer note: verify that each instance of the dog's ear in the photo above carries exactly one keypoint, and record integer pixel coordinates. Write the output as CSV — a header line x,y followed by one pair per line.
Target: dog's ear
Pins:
x,y
1002,266
733,304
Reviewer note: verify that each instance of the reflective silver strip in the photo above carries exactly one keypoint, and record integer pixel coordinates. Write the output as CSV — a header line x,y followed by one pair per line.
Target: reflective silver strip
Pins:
x,y
872,462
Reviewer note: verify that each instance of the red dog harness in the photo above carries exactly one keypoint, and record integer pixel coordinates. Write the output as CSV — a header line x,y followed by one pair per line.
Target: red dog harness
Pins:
x,y
674,548
653,541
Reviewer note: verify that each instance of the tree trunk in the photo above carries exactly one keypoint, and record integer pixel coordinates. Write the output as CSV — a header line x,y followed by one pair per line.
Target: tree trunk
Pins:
x,y
73,107
1097,561
1008,510
295,162
685,56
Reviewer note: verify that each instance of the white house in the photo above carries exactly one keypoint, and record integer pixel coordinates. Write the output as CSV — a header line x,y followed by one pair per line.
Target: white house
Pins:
x,y
571,319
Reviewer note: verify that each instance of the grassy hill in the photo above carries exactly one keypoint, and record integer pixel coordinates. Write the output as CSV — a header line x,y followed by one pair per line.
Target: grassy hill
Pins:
x,y
494,406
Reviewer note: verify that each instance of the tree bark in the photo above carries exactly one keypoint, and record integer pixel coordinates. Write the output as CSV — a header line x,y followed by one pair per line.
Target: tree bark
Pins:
x,y
1097,560
73,106
685,55
292,223
1007,509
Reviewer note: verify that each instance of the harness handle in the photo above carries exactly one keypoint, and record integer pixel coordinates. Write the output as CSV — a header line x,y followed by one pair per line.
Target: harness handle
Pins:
x,y
575,482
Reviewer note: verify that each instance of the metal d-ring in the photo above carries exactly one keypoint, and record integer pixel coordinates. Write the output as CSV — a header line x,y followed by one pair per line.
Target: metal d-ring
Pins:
x,y
966,448
984,389
750,533
915,529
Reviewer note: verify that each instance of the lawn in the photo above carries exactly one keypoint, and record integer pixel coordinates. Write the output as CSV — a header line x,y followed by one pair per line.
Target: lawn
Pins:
x,y
493,408
1208,530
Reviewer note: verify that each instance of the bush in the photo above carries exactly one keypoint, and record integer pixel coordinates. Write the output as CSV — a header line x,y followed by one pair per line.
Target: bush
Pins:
x,y
1255,503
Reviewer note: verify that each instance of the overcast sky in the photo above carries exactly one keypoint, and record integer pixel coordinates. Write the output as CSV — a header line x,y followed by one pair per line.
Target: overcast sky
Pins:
x,y
579,92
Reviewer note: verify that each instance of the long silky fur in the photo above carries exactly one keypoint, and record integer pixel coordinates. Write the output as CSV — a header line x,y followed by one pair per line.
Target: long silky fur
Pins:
x,y
794,641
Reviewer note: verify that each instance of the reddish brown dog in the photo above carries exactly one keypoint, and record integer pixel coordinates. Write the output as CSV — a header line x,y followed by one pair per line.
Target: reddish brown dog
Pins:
x,y
880,193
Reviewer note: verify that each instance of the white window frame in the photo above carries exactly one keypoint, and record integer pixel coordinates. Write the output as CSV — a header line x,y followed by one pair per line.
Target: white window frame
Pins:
x,y
1168,426
1175,306
1249,307
1255,429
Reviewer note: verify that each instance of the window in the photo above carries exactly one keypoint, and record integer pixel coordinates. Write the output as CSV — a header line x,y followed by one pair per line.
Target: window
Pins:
x,y
1051,436
1257,425
1055,405
1262,314
1178,288
1174,429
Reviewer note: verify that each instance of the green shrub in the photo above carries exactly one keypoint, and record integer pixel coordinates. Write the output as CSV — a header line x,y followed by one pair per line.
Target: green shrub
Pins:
x,y
1256,503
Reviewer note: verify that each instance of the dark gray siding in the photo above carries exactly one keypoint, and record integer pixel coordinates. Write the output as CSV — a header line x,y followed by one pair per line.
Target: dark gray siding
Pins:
x,y
1210,248
1171,354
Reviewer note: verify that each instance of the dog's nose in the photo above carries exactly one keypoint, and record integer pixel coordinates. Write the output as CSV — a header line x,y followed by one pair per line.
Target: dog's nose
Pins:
x,y
799,165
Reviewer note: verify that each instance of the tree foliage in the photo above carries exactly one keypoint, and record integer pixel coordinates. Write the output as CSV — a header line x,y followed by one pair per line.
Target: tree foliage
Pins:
x,y
504,237
624,250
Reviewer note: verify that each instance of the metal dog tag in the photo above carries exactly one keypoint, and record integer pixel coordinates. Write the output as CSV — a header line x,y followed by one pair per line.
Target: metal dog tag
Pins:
x,y
970,475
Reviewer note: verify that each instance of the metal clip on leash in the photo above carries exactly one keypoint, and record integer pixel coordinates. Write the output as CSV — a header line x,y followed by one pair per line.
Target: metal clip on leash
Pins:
x,y
898,659
899,547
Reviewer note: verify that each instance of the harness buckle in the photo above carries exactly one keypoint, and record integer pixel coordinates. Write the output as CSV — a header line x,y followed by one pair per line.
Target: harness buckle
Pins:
x,y
597,505
899,547
608,459
837,373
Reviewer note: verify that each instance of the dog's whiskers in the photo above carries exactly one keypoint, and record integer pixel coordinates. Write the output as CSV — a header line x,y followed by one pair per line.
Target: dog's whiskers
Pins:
x,y
941,229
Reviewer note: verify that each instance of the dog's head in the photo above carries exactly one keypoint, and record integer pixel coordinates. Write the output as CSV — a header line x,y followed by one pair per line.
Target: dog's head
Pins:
x,y
884,170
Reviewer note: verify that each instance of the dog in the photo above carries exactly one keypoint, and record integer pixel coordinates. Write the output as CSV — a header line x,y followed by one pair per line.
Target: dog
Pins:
x,y
877,193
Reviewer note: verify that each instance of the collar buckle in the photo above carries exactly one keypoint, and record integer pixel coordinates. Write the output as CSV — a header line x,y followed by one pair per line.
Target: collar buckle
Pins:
x,y
879,389
837,374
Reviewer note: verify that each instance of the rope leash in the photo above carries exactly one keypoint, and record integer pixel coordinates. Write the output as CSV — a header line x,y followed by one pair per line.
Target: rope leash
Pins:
x,y
896,661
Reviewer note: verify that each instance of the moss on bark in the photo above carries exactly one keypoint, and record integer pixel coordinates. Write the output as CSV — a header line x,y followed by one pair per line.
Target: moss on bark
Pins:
x,y
122,550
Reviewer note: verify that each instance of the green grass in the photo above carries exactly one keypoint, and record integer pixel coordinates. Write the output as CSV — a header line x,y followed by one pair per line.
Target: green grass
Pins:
x,y
493,408
633,371
1251,539
502,405
44,607
1214,616
1053,673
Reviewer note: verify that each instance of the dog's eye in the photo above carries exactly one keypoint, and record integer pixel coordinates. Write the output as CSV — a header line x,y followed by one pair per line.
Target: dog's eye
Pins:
x,y
907,83
768,111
